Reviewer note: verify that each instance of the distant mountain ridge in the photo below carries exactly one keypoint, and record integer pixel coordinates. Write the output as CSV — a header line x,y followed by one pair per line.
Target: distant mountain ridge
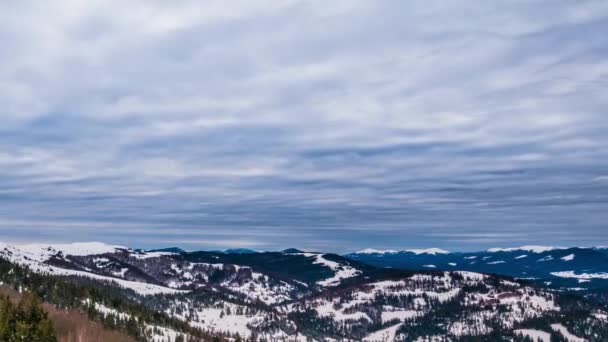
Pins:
x,y
557,267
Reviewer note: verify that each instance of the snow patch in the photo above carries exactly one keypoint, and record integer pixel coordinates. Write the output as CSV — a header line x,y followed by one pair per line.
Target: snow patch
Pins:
x,y
496,262
401,315
564,331
535,335
387,334
568,257
432,251
571,274
376,251
533,249
341,271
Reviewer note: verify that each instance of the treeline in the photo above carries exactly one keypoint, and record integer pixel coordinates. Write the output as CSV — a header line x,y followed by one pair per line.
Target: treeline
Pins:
x,y
76,292
25,321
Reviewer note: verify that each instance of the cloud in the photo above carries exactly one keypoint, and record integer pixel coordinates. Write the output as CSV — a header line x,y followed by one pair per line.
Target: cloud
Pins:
x,y
303,123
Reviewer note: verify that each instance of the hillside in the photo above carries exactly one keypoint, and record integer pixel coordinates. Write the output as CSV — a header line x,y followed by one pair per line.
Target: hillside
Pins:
x,y
290,296
70,325
560,268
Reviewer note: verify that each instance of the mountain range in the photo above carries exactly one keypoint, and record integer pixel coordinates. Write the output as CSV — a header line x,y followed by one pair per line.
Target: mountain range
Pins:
x,y
556,267
292,295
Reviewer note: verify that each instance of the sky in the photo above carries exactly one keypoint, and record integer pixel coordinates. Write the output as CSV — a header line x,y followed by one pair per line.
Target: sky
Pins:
x,y
322,125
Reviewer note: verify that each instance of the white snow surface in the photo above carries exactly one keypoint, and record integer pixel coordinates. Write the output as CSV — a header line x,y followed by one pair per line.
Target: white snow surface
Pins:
x,y
34,256
351,311
341,271
533,249
569,257
41,252
148,255
223,317
496,262
162,334
535,335
376,251
587,276
600,316
400,315
564,331
384,335
432,251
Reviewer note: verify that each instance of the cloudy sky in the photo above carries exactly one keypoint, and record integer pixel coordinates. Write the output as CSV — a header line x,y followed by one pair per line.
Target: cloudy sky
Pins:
x,y
325,125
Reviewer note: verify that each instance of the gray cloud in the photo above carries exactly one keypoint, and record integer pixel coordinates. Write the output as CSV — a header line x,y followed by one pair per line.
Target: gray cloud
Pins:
x,y
323,126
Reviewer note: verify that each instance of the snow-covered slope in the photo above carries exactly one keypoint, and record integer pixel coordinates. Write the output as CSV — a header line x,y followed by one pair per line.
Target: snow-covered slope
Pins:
x,y
473,298
37,256
533,249
558,267
299,296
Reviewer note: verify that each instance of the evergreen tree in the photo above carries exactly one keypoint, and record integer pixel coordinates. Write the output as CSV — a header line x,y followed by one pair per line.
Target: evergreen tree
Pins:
x,y
25,322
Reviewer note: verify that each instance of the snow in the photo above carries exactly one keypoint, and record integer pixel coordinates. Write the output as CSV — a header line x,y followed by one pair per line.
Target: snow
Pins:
x,y
401,315
533,249
600,316
282,336
522,303
384,335
149,255
341,271
42,252
588,276
347,312
509,283
105,311
34,255
212,319
259,288
122,273
432,251
472,325
144,289
76,248
496,262
568,257
433,338
472,276
162,334
535,335
564,331
327,310
376,251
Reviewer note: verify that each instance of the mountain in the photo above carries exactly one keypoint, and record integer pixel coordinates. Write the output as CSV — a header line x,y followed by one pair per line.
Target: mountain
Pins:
x,y
176,250
549,266
292,296
240,251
